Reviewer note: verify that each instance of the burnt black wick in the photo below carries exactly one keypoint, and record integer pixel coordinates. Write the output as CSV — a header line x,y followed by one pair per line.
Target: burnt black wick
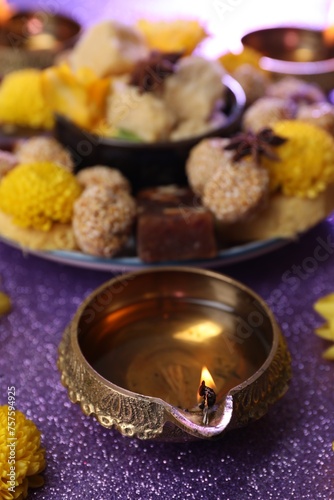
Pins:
x,y
209,399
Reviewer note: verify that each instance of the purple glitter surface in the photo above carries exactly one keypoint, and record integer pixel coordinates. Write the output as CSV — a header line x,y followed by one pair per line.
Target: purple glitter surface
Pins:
x,y
286,454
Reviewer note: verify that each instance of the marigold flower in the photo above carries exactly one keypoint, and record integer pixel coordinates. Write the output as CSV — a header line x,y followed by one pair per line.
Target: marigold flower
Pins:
x,y
325,307
232,61
22,101
80,96
22,462
38,194
181,35
306,164
30,97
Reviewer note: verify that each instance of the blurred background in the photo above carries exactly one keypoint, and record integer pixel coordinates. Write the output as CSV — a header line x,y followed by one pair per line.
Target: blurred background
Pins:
x,y
227,20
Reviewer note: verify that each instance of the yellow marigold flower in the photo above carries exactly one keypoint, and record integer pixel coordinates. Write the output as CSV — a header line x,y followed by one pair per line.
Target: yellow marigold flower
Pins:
x,y
38,194
172,36
306,165
22,462
22,101
5,304
325,307
80,96
232,61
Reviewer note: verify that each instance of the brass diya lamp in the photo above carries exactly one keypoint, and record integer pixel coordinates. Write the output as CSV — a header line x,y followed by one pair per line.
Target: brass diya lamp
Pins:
x,y
174,353
30,38
301,52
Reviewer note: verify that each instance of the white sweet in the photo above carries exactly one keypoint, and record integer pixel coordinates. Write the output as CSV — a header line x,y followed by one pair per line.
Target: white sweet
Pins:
x,y
195,88
144,114
109,48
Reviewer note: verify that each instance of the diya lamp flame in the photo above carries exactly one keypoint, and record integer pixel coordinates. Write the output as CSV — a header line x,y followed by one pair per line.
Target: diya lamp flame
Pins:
x,y
328,32
207,394
5,11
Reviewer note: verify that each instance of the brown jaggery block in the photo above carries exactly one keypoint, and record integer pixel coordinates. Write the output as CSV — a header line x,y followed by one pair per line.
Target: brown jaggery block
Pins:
x,y
176,234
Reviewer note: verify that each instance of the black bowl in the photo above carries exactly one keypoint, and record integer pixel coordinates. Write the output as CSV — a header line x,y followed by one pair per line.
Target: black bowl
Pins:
x,y
146,164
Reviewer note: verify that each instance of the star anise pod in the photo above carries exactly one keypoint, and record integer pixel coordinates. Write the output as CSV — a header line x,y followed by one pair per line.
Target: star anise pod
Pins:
x,y
149,74
249,143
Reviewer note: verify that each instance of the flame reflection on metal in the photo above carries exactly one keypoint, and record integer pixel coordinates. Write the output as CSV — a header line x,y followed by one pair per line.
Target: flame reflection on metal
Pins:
x,y
199,332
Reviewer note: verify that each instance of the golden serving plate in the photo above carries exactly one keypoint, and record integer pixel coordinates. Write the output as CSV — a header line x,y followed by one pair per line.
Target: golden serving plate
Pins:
x,y
141,345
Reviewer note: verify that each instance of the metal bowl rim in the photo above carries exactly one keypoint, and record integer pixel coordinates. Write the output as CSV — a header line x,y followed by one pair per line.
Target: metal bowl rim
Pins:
x,y
74,334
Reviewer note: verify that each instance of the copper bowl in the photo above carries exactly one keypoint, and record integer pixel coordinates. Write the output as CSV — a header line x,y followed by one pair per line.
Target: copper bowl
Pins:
x,y
132,354
294,51
147,164
34,39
